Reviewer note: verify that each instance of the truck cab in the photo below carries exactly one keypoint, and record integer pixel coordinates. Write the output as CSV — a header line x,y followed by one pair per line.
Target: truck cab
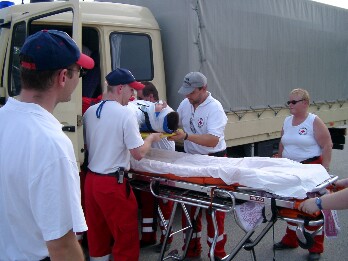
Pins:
x,y
114,35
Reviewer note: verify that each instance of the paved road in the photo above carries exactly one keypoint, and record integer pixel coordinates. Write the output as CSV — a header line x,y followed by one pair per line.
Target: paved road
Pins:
x,y
335,249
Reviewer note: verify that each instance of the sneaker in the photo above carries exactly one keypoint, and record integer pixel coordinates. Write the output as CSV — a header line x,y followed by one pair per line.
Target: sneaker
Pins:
x,y
282,246
158,248
144,244
313,256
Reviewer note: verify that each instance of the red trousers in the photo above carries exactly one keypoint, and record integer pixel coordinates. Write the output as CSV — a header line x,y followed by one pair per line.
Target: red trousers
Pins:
x,y
83,174
112,218
195,247
290,237
148,234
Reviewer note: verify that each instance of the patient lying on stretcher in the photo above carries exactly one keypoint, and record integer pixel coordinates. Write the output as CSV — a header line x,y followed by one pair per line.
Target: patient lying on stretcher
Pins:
x,y
155,117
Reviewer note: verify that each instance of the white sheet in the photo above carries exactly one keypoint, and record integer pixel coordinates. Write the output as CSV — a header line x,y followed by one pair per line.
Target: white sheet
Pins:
x,y
282,177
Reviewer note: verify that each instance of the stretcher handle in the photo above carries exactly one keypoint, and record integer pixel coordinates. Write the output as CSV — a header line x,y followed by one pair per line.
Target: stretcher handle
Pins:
x,y
297,205
325,184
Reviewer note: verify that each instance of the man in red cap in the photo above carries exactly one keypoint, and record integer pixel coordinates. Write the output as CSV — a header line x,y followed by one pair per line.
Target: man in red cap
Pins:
x,y
112,136
40,205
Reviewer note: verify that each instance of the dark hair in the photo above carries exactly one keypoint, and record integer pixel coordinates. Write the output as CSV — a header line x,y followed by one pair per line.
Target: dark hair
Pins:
x,y
150,89
37,80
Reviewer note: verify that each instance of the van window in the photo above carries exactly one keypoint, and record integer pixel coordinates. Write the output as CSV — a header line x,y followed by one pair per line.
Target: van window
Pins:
x,y
132,52
18,39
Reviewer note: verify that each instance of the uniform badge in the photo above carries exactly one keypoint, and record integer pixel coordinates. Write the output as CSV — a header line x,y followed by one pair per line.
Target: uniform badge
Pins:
x,y
302,131
200,123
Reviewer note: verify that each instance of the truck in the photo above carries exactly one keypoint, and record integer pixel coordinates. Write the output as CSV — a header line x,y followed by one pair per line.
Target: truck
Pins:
x,y
252,52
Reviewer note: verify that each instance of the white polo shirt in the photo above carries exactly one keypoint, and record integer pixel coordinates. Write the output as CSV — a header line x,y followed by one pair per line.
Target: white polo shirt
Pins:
x,y
208,118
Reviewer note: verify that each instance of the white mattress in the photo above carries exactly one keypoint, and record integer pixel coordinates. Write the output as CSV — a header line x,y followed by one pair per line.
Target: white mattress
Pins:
x,y
282,177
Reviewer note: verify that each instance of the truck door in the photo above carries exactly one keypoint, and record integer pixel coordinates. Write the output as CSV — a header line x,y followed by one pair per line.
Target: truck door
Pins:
x,y
53,15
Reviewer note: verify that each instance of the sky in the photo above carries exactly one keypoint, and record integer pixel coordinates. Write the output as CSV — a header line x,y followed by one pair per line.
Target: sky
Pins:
x,y
339,3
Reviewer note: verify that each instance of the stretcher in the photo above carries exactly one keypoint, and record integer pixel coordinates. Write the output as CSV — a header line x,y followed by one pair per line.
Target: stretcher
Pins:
x,y
219,186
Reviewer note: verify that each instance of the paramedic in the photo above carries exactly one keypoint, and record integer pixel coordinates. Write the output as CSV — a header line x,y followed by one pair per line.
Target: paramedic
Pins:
x,y
111,137
337,200
40,202
149,209
306,139
203,120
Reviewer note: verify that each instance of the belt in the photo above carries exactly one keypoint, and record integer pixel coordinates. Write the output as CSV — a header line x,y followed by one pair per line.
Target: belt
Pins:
x,y
219,153
120,174
306,161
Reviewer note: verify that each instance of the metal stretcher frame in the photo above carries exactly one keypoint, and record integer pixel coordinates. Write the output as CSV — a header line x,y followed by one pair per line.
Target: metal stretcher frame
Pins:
x,y
221,197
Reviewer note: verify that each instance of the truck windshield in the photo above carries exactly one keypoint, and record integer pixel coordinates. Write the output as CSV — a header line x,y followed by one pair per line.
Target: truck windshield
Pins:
x,y
133,52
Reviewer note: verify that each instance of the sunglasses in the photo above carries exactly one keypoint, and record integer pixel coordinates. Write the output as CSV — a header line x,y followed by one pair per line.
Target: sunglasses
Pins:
x,y
82,72
293,102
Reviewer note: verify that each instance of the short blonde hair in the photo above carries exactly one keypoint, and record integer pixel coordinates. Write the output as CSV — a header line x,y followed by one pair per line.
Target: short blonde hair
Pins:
x,y
302,92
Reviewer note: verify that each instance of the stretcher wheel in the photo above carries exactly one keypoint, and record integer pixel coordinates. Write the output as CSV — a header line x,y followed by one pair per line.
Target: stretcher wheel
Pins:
x,y
309,241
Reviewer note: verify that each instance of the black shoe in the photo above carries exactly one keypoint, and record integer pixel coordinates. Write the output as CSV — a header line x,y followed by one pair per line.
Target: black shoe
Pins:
x,y
144,244
158,248
313,256
281,246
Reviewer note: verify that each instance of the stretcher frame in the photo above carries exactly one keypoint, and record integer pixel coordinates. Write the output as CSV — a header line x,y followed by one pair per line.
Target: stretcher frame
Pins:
x,y
224,199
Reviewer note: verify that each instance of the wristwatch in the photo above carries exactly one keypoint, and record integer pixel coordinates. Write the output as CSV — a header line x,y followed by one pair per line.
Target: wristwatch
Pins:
x,y
318,202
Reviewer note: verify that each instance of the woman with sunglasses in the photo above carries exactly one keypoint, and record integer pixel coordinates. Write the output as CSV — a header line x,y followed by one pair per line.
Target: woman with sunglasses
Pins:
x,y
306,139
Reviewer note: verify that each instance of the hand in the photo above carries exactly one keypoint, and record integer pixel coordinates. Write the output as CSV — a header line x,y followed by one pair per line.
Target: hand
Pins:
x,y
309,206
342,183
155,136
179,135
160,106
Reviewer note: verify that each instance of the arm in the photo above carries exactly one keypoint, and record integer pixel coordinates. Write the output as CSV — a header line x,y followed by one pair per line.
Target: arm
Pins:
x,y
65,248
342,183
337,200
323,138
281,147
207,140
140,152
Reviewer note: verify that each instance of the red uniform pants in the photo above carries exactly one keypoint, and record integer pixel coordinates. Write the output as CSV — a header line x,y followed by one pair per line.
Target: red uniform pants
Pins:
x,y
290,238
112,218
195,247
148,234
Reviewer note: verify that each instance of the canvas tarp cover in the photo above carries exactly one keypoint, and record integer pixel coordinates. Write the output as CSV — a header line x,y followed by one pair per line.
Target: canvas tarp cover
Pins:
x,y
254,52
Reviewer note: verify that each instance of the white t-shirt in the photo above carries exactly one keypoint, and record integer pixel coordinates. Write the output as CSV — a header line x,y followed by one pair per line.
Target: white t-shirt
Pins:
x,y
208,118
156,122
298,141
110,137
40,197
